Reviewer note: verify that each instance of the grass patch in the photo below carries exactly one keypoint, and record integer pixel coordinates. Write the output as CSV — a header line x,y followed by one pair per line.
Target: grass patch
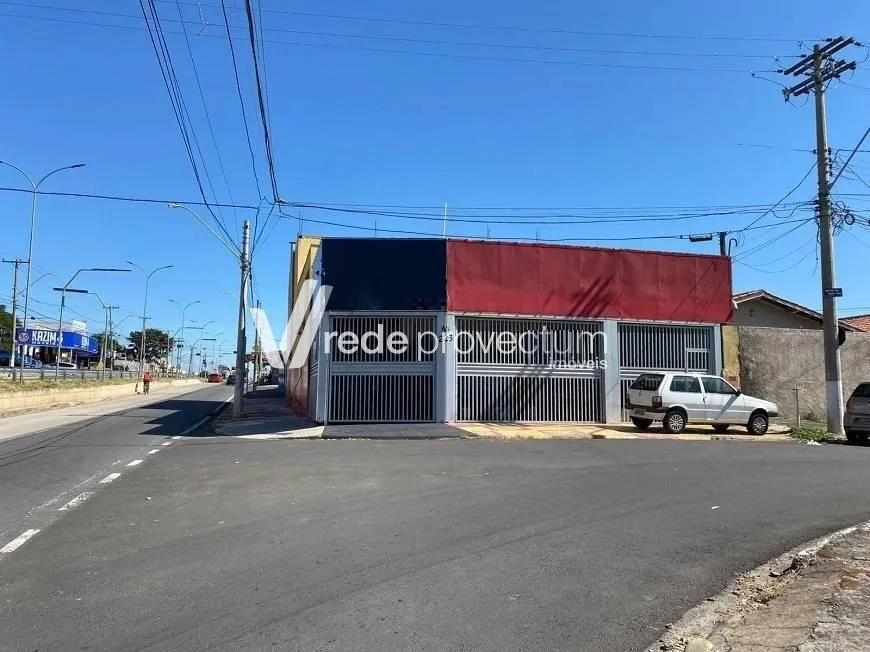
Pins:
x,y
820,435
36,384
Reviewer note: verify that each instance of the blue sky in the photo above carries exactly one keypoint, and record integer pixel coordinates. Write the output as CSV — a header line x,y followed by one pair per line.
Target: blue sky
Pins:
x,y
518,119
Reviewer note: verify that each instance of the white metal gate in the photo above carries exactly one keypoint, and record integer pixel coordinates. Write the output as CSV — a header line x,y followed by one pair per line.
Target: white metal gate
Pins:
x,y
512,369
382,383
663,347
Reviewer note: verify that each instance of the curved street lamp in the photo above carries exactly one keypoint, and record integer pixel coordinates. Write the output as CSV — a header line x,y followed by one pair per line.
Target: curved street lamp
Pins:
x,y
148,276
35,188
183,311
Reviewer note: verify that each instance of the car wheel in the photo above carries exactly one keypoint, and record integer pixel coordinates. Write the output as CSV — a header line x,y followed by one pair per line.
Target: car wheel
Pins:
x,y
641,424
758,424
856,437
721,427
674,422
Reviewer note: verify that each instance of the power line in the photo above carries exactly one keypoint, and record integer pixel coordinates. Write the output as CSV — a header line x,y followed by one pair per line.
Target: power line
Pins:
x,y
680,236
784,197
145,200
173,89
526,220
776,238
678,37
264,120
467,57
539,30
206,111
241,99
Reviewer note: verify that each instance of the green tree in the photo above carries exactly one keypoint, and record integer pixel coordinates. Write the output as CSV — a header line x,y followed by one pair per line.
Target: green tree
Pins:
x,y
157,344
114,344
6,330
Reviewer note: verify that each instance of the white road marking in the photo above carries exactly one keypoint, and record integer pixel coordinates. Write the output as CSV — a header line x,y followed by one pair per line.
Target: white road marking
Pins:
x,y
715,507
75,502
152,451
109,478
18,541
177,437
134,463
166,443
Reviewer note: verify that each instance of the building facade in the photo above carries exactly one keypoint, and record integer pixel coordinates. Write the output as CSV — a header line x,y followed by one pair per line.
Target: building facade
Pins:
x,y
457,330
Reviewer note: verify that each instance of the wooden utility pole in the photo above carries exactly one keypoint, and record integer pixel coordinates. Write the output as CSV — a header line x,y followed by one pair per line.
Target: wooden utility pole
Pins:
x,y
13,343
820,67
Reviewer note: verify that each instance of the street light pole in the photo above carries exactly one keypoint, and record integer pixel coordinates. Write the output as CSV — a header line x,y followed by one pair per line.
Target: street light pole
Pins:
x,y
105,334
63,292
240,254
183,313
35,188
148,276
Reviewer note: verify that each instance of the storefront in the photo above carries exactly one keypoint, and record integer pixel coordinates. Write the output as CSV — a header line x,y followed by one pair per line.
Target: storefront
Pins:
x,y
41,344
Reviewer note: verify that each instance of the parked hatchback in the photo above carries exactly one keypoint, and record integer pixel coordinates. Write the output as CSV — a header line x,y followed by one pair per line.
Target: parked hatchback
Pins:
x,y
857,420
678,399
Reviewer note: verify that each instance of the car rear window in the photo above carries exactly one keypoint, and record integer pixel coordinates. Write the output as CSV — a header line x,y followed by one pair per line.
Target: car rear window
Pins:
x,y
648,382
862,391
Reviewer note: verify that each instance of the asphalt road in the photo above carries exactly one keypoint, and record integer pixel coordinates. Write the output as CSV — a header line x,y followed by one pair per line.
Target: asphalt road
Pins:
x,y
39,473
425,545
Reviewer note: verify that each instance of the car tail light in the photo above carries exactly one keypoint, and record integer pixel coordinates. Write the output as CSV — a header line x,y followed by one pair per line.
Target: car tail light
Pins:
x,y
657,402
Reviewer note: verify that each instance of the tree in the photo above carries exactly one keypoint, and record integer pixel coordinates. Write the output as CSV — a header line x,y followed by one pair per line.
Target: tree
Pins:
x,y
157,344
6,329
114,345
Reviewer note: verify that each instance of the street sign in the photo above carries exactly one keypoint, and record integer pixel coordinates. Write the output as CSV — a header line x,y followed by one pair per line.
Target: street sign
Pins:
x,y
832,292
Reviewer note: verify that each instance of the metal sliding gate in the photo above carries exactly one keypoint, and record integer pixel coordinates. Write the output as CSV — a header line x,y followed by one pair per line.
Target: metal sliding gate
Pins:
x,y
662,347
528,370
376,381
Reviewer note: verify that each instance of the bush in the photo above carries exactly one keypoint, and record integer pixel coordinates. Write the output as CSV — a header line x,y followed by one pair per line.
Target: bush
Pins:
x,y
812,434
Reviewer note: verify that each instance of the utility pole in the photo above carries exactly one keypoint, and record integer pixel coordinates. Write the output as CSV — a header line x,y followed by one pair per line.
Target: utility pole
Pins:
x,y
723,247
13,343
258,360
110,342
241,339
820,67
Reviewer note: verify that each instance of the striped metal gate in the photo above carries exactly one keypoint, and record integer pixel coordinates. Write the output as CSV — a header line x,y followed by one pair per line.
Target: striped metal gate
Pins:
x,y
552,374
380,383
663,347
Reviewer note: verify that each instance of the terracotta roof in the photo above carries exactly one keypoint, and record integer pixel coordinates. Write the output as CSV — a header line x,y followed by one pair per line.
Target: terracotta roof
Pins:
x,y
795,307
861,322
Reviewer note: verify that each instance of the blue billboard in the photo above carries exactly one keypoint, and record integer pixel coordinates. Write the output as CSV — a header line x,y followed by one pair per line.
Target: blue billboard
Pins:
x,y
48,339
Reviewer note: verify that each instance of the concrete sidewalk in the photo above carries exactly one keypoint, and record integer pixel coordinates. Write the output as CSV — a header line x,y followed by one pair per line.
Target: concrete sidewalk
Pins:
x,y
268,416
32,422
815,601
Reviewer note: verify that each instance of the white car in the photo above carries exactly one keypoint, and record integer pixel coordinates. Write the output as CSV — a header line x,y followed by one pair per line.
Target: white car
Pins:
x,y
60,365
677,399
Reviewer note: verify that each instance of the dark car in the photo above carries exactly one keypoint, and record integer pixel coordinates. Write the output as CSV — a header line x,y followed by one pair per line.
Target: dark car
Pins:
x,y
231,379
29,363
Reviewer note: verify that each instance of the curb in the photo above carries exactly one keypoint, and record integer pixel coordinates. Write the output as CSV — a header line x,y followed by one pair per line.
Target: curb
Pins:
x,y
692,630
206,418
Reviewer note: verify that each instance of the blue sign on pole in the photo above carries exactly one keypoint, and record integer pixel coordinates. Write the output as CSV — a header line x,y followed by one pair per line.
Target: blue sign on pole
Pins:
x,y
832,292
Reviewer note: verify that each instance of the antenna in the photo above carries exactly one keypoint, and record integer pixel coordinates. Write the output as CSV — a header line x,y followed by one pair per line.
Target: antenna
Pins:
x,y
444,224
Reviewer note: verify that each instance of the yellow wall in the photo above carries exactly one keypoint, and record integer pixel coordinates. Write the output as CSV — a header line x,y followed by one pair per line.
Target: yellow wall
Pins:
x,y
731,354
301,265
